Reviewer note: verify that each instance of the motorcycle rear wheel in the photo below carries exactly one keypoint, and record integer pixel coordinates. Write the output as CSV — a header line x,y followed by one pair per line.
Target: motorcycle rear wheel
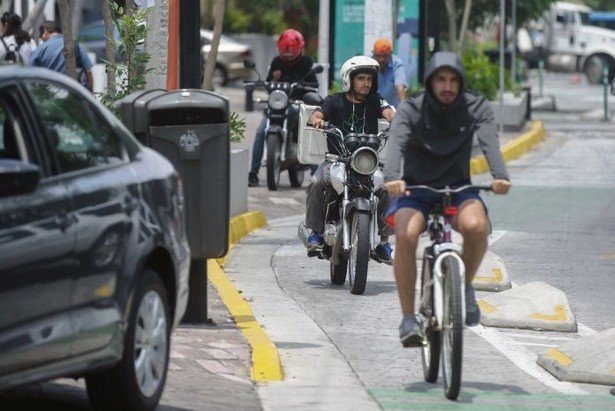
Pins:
x,y
338,272
273,161
296,175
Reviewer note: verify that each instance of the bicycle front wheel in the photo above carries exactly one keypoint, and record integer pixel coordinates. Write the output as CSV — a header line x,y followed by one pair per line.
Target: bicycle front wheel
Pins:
x,y
452,328
431,345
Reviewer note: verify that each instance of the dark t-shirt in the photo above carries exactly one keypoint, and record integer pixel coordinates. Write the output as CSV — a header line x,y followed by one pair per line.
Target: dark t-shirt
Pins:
x,y
353,118
292,73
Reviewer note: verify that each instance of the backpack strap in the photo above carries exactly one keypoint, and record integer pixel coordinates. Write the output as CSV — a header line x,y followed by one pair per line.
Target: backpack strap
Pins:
x,y
4,44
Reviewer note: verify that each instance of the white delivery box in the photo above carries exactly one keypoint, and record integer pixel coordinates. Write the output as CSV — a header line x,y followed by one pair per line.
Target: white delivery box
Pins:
x,y
311,144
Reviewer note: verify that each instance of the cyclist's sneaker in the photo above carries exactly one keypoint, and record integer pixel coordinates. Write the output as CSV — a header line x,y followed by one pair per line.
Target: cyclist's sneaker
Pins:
x,y
472,310
410,331
382,253
252,180
315,243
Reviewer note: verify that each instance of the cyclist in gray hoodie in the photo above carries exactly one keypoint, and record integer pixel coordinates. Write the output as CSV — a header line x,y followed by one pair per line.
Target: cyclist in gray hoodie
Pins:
x,y
433,132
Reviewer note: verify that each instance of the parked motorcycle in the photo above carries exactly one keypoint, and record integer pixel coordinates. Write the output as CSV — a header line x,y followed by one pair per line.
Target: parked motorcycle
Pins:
x,y
282,114
351,218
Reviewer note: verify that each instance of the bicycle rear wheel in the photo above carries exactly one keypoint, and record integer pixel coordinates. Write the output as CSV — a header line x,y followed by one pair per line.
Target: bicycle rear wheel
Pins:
x,y
452,328
431,345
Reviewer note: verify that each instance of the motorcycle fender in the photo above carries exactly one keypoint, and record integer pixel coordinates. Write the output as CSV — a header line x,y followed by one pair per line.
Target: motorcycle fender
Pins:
x,y
359,204
275,129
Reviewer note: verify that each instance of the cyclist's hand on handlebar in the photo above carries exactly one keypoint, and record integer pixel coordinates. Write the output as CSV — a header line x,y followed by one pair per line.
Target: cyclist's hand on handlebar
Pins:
x,y
396,187
500,186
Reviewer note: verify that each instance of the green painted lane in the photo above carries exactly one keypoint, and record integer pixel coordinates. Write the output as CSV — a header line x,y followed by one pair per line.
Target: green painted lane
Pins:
x,y
476,400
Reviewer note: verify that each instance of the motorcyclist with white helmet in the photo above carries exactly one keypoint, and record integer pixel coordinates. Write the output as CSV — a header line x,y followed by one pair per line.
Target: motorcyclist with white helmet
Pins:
x,y
356,109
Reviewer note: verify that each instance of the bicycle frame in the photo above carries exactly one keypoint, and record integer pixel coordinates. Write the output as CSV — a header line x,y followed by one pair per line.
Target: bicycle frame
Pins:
x,y
442,301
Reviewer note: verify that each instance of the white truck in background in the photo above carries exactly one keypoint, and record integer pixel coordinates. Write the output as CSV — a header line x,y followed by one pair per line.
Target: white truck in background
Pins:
x,y
570,41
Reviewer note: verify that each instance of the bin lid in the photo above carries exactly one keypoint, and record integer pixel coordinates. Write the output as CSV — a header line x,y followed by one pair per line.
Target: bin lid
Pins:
x,y
188,98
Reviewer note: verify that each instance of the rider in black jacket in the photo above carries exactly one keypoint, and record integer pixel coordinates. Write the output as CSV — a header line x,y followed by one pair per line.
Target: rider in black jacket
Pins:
x,y
290,65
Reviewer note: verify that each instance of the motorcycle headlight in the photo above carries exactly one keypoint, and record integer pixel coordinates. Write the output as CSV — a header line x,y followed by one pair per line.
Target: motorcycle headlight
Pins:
x,y
364,161
278,100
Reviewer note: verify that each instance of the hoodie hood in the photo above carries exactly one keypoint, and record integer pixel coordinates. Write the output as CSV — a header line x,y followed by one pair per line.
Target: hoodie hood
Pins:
x,y
445,59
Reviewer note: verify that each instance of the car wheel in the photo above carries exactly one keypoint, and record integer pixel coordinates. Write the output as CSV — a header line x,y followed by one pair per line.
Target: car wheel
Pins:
x,y
137,382
220,79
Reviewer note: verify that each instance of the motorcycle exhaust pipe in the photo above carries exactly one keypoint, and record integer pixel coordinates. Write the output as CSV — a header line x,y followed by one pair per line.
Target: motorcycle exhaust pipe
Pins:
x,y
303,233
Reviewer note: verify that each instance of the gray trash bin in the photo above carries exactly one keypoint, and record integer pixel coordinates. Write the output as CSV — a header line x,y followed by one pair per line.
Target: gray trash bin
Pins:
x,y
132,110
190,127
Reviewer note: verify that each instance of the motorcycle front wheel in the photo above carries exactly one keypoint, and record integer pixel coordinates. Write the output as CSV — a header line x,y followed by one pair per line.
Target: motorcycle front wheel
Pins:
x,y
359,252
273,161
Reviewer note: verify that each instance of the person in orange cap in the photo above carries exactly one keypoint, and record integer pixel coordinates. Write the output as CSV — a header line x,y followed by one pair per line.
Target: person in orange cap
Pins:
x,y
392,82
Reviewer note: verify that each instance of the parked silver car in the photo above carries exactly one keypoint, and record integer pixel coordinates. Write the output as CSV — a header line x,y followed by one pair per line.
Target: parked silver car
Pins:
x,y
230,58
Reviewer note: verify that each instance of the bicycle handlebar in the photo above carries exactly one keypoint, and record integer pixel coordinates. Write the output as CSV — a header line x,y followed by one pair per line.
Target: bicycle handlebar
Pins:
x,y
449,190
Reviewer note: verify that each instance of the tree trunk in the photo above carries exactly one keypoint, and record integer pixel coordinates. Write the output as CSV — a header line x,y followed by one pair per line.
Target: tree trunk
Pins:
x,y
452,25
109,51
210,65
67,31
33,20
6,5
464,23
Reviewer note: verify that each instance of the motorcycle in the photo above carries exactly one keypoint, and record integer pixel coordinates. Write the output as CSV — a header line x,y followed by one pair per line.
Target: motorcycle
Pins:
x,y
351,222
282,113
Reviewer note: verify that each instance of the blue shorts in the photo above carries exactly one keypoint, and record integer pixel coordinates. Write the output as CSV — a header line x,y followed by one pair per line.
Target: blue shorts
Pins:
x,y
424,201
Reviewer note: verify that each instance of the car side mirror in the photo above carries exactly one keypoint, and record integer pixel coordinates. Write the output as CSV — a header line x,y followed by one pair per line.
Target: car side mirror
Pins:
x,y
17,177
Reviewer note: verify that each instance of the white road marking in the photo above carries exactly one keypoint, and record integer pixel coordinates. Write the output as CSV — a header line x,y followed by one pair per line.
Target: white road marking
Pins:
x,y
525,360
284,200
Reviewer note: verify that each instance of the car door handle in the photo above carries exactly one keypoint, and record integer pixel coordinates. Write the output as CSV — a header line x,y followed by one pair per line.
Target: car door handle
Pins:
x,y
64,220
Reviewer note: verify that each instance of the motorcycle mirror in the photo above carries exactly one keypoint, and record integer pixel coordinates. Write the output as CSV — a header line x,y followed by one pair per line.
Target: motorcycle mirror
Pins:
x,y
317,69
312,99
249,63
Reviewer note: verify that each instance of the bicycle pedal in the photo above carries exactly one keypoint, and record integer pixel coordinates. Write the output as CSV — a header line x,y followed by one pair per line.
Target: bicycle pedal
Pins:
x,y
316,253
413,342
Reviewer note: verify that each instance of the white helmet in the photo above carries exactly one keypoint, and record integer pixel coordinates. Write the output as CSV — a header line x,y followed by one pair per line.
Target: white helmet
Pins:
x,y
356,65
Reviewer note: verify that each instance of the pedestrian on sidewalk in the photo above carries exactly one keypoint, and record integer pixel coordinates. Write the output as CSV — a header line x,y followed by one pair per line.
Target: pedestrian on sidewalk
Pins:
x,y
15,39
50,53
392,82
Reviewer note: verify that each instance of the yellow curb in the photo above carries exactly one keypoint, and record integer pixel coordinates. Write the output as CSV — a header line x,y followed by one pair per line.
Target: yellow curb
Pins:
x,y
266,364
513,149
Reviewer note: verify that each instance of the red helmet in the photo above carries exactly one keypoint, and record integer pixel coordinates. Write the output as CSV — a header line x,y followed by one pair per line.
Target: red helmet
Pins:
x,y
290,45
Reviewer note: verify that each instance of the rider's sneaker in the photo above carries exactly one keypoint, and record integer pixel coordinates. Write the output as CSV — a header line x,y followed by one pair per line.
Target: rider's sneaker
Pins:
x,y
410,331
315,242
472,310
382,253
252,180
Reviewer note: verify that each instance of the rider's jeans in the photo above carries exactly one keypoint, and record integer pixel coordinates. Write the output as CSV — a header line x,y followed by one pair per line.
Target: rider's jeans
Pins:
x,y
319,193
259,146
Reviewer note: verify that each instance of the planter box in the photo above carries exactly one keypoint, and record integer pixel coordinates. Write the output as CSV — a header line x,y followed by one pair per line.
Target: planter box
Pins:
x,y
513,112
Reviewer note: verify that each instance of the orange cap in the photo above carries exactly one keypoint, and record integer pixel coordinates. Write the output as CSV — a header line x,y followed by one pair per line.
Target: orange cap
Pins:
x,y
382,46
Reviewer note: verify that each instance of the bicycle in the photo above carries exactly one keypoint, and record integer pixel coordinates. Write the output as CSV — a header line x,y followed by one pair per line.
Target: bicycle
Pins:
x,y
441,303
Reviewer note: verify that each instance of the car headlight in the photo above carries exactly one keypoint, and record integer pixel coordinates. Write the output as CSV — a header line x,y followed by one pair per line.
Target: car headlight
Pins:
x,y
364,161
278,100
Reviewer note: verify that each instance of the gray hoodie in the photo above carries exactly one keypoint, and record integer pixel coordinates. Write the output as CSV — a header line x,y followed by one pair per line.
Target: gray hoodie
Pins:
x,y
435,141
